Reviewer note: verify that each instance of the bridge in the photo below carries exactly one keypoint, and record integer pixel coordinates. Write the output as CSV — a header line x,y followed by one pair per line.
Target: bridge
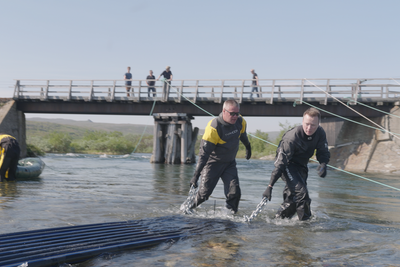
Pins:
x,y
173,106
275,97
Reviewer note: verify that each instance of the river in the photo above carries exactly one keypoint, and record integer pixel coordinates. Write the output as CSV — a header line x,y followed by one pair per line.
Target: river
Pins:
x,y
355,222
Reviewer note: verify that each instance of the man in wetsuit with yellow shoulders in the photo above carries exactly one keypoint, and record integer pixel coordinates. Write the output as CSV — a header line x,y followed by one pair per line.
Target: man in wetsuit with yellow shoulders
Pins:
x,y
9,156
218,149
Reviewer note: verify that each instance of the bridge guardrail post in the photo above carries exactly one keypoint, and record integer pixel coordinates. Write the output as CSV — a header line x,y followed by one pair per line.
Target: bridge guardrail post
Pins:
x,y
222,91
196,91
328,91
357,90
140,89
241,94
272,92
69,91
180,92
91,91
46,94
302,91
16,89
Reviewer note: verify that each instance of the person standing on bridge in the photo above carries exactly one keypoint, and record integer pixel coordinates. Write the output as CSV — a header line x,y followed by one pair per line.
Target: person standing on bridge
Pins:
x,y
218,149
292,155
167,74
150,80
254,83
128,76
9,156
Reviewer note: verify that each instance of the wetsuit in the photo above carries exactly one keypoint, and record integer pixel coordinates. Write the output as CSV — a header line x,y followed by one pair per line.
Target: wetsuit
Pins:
x,y
293,154
218,149
9,156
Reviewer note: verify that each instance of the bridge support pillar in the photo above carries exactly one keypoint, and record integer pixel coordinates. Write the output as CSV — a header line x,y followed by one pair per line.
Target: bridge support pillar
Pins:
x,y
12,122
174,139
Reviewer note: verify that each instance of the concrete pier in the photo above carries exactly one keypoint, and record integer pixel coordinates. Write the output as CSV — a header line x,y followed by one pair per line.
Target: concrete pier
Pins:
x,y
12,122
362,149
174,139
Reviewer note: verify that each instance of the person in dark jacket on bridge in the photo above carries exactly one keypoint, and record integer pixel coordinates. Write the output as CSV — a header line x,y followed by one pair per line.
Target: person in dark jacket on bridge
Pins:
x,y
128,82
167,74
218,149
292,155
9,156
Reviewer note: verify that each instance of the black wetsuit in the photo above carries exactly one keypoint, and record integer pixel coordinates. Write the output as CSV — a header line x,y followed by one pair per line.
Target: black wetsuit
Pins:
x,y
293,154
9,156
218,149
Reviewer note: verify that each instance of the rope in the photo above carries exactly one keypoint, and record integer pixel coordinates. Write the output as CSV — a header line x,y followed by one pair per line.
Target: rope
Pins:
x,y
359,103
359,176
352,109
151,112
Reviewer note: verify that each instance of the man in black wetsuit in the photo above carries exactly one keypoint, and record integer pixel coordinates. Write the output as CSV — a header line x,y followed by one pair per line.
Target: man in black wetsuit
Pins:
x,y
292,155
218,149
9,156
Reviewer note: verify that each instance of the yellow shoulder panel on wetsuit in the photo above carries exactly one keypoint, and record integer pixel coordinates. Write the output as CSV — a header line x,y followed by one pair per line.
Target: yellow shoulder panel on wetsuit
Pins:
x,y
211,135
5,135
1,155
243,125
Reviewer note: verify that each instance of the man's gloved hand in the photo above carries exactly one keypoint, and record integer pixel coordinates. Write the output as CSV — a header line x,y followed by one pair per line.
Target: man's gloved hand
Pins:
x,y
248,152
268,193
194,180
322,170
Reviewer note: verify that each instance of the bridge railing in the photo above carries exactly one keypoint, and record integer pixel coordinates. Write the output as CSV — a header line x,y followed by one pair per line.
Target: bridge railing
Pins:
x,y
269,91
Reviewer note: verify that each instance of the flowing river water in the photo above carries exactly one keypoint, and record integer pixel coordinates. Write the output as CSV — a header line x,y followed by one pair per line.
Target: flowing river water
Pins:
x,y
355,222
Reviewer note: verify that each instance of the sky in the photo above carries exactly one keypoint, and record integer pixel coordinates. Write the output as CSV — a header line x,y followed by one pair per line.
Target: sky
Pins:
x,y
206,39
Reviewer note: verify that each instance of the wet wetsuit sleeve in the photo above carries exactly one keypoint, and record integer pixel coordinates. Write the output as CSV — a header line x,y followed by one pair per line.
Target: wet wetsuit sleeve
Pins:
x,y
285,152
2,150
1,156
243,134
323,154
207,145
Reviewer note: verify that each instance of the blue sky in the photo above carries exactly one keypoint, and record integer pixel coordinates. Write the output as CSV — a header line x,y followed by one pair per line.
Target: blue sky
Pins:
x,y
199,40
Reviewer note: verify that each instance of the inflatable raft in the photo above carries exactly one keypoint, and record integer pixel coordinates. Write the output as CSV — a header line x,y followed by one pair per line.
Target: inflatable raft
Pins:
x,y
29,168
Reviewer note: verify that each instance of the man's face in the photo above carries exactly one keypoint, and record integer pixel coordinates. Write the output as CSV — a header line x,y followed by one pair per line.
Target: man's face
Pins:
x,y
226,114
151,72
310,124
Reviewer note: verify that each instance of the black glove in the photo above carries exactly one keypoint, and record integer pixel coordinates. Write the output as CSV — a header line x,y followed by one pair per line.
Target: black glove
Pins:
x,y
322,170
248,152
268,193
194,180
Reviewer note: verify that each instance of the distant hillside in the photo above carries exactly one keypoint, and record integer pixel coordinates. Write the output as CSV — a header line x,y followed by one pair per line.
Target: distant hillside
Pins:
x,y
41,127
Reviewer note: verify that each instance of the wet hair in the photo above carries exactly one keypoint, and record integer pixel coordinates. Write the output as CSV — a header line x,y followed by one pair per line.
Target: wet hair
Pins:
x,y
313,112
231,102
